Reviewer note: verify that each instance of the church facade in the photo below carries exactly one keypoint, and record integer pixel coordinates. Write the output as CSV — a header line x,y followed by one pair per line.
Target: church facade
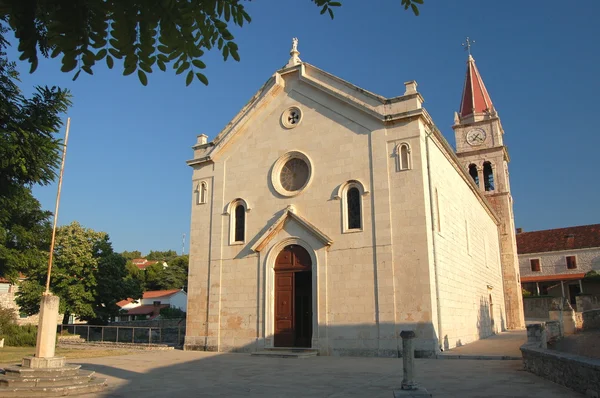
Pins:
x,y
330,218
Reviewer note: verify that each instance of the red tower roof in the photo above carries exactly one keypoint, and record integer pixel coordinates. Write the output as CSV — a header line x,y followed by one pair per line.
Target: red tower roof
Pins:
x,y
475,98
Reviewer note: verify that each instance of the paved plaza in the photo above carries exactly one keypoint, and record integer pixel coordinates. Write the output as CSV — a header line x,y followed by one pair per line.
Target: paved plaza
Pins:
x,y
202,374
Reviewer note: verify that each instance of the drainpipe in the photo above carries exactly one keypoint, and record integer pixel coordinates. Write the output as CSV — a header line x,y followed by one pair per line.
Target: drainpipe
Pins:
x,y
435,267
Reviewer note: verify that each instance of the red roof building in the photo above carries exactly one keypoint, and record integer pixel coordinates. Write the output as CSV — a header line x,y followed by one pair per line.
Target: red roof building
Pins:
x,y
555,261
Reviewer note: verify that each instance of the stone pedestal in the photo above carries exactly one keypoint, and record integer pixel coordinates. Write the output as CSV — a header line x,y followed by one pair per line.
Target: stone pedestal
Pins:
x,y
45,375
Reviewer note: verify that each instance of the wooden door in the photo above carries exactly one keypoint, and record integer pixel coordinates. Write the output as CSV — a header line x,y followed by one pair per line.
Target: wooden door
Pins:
x,y
293,307
284,309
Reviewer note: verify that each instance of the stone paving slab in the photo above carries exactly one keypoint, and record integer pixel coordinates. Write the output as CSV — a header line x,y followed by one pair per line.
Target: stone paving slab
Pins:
x,y
201,374
504,345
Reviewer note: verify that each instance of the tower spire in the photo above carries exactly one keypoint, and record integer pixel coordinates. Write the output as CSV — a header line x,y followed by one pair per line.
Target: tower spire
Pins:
x,y
475,98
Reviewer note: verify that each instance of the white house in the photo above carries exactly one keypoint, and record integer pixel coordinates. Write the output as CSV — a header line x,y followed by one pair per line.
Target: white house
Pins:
x,y
149,306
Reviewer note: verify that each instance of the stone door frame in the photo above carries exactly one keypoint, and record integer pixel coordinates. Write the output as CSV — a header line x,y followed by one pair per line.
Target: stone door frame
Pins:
x,y
269,325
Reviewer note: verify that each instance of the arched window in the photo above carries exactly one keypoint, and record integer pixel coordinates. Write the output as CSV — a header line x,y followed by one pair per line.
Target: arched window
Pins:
x,y
488,176
353,208
403,157
473,172
239,223
351,195
236,210
201,193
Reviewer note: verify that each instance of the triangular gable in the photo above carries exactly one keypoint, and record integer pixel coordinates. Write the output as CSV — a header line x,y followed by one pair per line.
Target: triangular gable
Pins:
x,y
290,213
380,108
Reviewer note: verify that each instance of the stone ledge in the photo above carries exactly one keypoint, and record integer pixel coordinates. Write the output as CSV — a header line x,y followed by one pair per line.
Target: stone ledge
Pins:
x,y
579,373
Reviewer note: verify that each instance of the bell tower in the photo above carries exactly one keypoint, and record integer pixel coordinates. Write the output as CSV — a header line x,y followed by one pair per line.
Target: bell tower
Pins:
x,y
480,148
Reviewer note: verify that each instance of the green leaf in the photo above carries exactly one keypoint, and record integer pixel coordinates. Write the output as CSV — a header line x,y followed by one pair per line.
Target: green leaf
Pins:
x,y
199,64
142,77
225,53
324,9
235,55
101,54
182,68
76,75
161,65
415,9
129,70
330,13
189,78
109,62
337,4
202,78
87,69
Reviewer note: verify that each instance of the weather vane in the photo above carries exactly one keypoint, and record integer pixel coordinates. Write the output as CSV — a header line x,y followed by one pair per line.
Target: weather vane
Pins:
x,y
467,45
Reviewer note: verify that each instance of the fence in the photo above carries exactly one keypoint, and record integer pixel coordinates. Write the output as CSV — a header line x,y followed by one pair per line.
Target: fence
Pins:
x,y
126,334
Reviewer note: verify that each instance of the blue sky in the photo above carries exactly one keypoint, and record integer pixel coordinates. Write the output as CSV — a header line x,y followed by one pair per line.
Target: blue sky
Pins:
x,y
126,173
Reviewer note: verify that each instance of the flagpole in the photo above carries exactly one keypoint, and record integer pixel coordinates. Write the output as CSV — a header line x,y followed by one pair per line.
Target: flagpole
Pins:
x,y
60,177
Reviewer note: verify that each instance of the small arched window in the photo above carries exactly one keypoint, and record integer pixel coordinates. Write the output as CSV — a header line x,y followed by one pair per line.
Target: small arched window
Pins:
x,y
351,194
488,176
353,208
403,157
236,210
239,223
474,174
201,193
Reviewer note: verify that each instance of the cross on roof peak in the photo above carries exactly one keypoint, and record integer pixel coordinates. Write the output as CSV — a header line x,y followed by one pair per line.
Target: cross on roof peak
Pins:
x,y
467,45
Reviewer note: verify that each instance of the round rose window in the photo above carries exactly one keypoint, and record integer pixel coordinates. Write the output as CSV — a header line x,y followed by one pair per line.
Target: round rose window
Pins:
x,y
294,174
291,173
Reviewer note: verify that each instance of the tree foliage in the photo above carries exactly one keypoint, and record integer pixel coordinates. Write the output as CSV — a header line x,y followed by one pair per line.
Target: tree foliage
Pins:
x,y
87,275
173,276
29,154
143,34
161,255
132,254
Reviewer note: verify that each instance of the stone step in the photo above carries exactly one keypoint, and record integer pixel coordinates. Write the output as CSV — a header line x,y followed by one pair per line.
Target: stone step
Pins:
x,y
94,385
82,377
19,371
281,352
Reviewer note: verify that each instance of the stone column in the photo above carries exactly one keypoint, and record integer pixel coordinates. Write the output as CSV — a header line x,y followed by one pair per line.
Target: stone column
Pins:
x,y
408,360
409,388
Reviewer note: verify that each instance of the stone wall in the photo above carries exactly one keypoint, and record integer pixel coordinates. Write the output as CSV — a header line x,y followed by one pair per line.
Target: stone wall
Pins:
x,y
587,302
591,319
467,256
579,373
537,307
7,300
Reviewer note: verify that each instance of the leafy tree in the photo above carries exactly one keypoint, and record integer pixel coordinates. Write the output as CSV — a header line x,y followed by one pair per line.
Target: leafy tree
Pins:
x,y
87,275
153,277
142,33
29,154
131,255
172,313
113,285
174,276
161,256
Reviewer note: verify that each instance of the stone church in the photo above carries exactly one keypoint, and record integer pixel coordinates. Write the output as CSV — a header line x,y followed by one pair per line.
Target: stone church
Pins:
x,y
330,218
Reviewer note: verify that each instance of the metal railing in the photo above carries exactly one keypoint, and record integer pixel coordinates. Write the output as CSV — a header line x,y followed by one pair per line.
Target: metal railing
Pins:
x,y
125,334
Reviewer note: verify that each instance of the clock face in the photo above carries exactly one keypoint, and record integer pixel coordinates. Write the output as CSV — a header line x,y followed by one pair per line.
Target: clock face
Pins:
x,y
475,137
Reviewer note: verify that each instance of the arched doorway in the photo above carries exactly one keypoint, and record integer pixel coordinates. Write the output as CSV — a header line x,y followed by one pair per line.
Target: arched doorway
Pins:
x,y
293,297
